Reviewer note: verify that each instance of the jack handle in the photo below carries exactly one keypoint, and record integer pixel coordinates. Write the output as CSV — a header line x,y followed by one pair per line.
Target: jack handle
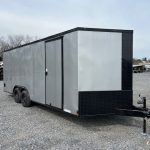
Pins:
x,y
143,101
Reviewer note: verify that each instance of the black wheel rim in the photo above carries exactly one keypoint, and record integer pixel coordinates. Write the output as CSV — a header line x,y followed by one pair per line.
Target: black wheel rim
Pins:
x,y
23,98
16,95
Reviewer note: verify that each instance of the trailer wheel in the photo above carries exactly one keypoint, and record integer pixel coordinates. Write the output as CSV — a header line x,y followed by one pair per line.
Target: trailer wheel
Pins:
x,y
25,99
17,95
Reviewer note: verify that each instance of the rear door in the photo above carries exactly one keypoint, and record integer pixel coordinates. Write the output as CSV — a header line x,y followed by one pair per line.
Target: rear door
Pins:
x,y
54,73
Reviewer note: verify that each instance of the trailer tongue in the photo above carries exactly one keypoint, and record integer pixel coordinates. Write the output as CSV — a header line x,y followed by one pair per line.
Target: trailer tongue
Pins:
x,y
142,112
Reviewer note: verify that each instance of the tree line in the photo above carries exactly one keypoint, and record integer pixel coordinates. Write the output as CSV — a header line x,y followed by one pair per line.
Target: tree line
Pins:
x,y
137,61
11,41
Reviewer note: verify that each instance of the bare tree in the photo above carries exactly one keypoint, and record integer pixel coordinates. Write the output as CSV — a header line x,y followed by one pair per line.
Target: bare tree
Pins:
x,y
3,44
18,40
15,40
28,39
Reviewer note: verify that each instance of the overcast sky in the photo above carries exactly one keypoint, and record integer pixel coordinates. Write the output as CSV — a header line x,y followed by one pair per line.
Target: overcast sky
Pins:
x,y
45,17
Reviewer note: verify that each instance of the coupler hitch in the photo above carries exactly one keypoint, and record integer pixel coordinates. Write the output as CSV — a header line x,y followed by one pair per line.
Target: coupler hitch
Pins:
x,y
134,111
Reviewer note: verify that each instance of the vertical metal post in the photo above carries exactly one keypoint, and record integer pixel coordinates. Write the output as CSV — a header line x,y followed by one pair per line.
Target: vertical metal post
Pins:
x,y
144,102
144,125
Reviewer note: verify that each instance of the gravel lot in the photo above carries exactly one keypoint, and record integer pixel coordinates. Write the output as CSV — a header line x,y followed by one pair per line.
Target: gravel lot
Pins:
x,y
40,128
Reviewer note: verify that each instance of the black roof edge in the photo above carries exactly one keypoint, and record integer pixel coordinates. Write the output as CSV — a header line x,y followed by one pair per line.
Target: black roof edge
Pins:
x,y
72,30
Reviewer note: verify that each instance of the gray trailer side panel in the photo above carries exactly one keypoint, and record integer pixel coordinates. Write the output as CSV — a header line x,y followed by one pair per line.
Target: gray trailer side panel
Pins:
x,y
71,72
25,66
7,73
99,61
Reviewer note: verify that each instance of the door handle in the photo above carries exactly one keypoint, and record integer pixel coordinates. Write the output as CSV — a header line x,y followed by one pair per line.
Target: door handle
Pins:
x,y
46,72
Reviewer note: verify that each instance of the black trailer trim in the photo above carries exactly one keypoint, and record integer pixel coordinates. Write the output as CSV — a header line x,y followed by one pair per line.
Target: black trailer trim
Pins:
x,y
54,39
72,30
127,54
45,70
62,71
103,102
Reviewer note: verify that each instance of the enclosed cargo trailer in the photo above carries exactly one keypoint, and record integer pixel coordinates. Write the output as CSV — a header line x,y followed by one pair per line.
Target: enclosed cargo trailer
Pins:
x,y
82,71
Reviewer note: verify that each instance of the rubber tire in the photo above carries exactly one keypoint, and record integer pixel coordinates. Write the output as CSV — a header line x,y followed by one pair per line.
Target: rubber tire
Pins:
x,y
17,95
25,99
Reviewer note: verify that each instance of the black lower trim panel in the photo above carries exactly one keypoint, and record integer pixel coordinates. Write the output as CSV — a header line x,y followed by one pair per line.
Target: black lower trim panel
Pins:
x,y
103,102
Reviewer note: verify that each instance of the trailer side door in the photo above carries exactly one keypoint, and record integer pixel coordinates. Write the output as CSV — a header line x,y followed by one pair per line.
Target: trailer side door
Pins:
x,y
54,73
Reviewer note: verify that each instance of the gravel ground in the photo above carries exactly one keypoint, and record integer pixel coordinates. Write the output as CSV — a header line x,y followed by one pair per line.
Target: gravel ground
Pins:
x,y
40,128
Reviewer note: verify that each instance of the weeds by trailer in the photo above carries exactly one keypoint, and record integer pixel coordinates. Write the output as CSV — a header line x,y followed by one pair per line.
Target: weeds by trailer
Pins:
x,y
72,71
